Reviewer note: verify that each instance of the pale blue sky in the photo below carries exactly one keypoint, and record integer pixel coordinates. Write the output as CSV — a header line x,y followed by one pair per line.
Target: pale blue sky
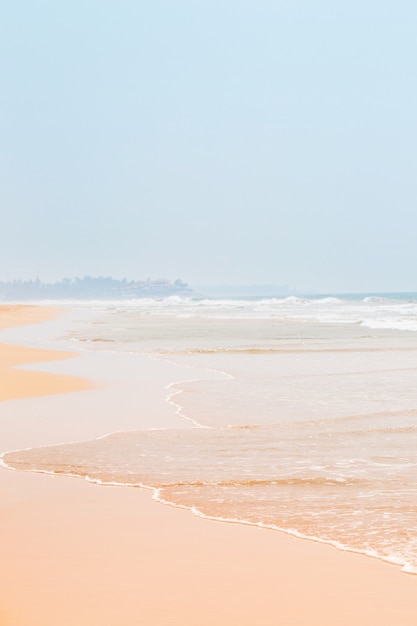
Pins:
x,y
222,142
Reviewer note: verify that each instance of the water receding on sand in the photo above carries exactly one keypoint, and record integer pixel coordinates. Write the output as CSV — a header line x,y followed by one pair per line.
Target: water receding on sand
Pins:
x,y
309,427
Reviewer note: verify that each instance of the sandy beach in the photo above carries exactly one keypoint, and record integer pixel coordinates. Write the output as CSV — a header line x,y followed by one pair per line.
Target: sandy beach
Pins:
x,y
21,383
77,554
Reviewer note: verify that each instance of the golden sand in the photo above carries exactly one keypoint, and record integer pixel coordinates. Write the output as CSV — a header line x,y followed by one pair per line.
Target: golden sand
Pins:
x,y
24,314
76,554
15,383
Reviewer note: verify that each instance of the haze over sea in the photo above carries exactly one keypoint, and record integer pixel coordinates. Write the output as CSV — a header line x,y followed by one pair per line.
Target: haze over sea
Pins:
x,y
309,425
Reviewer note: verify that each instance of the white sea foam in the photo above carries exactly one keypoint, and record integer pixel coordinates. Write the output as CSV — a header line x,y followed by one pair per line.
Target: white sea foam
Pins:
x,y
374,312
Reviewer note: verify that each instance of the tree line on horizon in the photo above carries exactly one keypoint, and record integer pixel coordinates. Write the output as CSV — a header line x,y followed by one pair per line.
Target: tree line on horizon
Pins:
x,y
89,287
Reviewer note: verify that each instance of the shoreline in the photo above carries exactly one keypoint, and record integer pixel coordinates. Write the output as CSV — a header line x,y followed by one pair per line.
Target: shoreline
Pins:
x,y
75,553
156,497
20,383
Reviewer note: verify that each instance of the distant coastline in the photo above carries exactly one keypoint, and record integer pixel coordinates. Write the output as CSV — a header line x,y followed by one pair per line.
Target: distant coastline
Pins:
x,y
90,287
109,288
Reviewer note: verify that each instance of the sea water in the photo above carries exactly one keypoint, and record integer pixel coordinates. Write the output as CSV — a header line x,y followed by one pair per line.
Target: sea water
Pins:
x,y
309,426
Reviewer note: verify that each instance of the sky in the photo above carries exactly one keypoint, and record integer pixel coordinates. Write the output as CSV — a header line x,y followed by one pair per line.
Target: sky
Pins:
x,y
222,142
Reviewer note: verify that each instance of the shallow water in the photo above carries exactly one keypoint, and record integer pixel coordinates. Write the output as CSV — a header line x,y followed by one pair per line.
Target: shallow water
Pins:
x,y
311,426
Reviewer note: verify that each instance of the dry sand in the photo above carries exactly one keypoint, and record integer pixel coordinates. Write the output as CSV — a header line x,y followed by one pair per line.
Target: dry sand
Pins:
x,y
75,554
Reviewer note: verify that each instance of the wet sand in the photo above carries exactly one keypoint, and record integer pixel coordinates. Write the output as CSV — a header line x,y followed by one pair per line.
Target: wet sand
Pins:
x,y
77,554
15,383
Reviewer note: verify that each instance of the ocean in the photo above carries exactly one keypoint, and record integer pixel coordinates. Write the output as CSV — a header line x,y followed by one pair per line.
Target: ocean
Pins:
x,y
308,426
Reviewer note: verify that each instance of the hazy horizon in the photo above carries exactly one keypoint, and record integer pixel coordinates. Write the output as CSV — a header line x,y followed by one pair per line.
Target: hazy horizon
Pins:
x,y
227,143
220,290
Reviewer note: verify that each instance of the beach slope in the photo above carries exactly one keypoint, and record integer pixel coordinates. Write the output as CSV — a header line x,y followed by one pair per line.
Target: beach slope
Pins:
x,y
77,554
